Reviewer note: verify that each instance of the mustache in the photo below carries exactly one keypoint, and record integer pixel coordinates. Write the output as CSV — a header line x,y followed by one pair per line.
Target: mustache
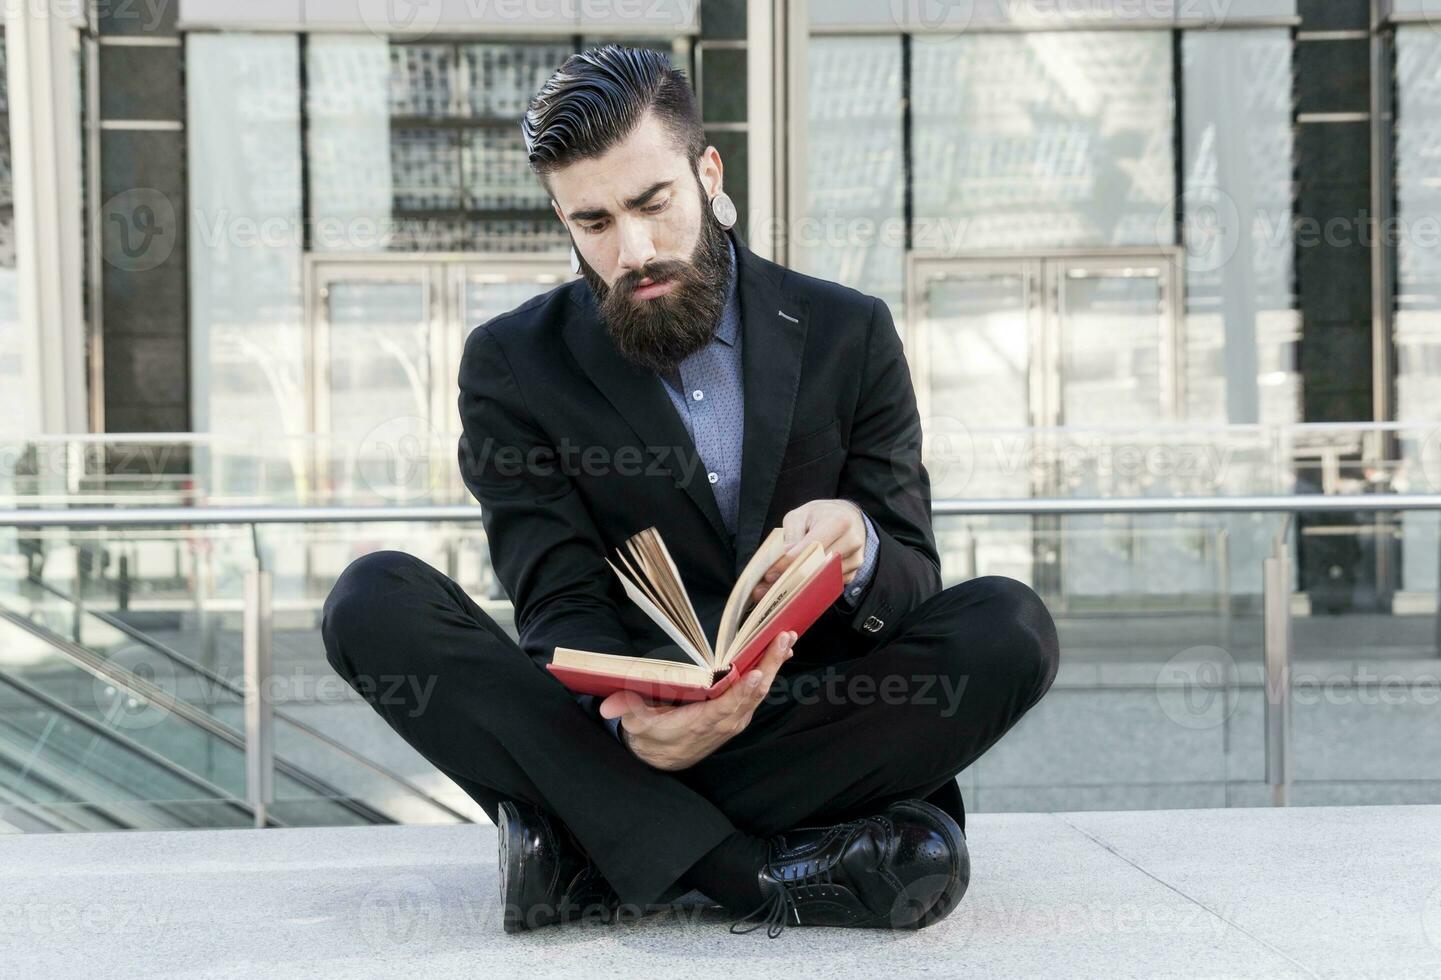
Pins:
x,y
657,272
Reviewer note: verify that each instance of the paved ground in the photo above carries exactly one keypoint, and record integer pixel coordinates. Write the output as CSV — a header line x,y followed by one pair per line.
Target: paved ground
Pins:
x,y
1320,892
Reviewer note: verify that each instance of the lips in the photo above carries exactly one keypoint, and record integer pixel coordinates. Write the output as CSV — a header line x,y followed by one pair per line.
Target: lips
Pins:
x,y
649,290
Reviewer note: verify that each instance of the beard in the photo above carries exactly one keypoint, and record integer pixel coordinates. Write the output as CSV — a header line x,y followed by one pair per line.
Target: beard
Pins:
x,y
658,334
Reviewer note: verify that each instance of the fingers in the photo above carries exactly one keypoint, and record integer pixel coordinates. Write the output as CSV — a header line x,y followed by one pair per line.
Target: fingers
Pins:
x,y
795,523
757,682
621,703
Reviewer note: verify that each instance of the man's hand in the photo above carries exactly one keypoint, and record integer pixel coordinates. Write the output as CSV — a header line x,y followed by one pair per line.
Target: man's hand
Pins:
x,y
837,524
668,736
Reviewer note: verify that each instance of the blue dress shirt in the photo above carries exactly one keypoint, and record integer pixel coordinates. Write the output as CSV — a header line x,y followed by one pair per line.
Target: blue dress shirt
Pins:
x,y
707,391
710,402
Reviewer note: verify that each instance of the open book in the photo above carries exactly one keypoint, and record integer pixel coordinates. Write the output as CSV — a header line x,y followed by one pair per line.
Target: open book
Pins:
x,y
795,600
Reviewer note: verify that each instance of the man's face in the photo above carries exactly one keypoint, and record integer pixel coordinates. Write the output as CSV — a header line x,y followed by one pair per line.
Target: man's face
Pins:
x,y
649,247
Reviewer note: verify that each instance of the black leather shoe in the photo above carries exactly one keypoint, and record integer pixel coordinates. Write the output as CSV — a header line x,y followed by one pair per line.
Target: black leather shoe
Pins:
x,y
905,868
545,876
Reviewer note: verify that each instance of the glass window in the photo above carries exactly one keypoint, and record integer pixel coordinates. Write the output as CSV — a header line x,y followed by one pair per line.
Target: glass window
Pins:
x,y
12,365
417,146
1241,321
854,229
249,345
1042,140
1417,329
1418,213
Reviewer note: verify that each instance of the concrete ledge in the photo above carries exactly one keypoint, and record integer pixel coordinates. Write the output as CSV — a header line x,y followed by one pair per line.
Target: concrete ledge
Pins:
x,y
1320,892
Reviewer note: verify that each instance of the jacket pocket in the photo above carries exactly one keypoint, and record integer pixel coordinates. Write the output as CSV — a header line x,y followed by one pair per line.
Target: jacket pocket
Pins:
x,y
812,445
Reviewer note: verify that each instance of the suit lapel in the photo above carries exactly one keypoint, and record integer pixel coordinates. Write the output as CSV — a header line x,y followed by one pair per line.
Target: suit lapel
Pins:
x,y
638,395
773,338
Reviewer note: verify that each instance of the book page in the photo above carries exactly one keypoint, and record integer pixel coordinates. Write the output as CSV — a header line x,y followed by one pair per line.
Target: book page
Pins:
x,y
646,573
662,569
641,668
660,618
765,556
807,563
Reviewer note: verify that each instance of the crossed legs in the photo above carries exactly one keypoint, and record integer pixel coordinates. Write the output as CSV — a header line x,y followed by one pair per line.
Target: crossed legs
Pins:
x,y
828,742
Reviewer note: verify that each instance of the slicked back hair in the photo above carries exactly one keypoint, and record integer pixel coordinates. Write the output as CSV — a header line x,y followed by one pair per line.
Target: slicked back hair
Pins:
x,y
596,98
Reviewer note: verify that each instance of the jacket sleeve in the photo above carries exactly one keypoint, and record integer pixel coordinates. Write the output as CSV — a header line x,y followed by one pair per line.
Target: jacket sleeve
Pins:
x,y
544,546
883,473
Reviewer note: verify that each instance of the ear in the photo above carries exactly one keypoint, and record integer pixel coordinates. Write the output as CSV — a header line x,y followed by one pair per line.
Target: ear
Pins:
x,y
556,208
711,171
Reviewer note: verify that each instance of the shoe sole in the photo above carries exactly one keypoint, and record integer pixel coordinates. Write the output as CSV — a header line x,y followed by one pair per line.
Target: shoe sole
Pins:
x,y
956,884
509,863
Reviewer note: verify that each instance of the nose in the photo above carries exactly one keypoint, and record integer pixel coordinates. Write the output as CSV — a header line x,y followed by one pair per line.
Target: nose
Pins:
x,y
636,247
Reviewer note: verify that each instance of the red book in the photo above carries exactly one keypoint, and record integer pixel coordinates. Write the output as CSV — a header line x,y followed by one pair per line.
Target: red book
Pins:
x,y
793,602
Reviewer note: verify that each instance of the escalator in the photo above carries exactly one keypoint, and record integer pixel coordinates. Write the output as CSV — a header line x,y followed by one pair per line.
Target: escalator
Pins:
x,y
103,727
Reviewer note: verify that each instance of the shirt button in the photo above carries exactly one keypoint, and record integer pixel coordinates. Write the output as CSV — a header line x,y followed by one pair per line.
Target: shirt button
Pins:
x,y
712,477
697,394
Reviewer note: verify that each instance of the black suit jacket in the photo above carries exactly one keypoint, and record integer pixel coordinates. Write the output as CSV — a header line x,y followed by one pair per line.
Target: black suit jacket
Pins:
x,y
570,449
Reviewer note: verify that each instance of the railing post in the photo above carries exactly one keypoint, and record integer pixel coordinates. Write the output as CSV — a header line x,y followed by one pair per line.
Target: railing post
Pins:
x,y
259,718
1276,585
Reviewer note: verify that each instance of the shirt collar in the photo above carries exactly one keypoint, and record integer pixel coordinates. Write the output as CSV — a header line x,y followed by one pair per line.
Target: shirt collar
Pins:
x,y
730,319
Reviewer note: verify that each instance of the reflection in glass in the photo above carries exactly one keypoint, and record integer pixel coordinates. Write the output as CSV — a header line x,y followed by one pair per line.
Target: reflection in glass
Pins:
x,y
1418,287
1242,326
249,342
854,231
1112,334
1043,140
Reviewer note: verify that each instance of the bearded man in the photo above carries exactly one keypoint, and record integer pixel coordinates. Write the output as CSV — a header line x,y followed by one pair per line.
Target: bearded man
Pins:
x,y
687,384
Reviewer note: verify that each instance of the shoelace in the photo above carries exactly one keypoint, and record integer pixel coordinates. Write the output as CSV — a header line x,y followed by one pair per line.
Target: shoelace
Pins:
x,y
780,907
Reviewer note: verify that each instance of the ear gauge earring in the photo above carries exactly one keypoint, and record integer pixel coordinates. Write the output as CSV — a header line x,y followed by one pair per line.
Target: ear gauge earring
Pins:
x,y
574,262
724,210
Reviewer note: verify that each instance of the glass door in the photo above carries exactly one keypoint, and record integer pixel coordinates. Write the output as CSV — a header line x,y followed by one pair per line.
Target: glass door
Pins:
x,y
376,380
1004,350
1115,341
974,340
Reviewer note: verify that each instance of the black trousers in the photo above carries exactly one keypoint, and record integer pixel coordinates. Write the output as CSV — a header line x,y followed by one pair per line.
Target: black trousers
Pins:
x,y
829,742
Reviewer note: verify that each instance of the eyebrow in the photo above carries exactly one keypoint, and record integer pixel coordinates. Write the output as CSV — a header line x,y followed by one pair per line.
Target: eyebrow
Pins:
x,y
630,203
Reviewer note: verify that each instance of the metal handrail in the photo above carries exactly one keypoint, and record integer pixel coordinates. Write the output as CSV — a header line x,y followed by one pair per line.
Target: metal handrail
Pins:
x,y
238,690
432,513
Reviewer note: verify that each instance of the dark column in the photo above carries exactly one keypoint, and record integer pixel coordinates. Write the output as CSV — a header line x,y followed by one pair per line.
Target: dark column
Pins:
x,y
144,306
1334,232
721,82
